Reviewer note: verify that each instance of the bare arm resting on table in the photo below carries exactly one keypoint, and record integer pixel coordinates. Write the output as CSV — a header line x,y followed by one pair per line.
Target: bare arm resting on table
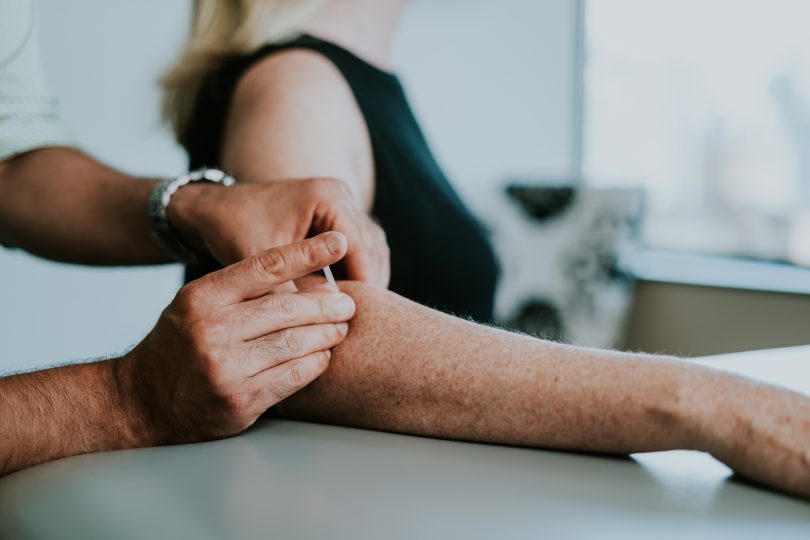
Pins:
x,y
410,369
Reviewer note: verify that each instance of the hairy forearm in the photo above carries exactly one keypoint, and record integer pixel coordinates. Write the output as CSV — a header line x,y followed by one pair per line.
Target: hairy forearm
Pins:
x,y
61,412
407,368
61,204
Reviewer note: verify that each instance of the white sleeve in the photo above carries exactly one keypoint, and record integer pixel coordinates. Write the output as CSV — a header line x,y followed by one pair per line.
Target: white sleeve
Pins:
x,y
29,116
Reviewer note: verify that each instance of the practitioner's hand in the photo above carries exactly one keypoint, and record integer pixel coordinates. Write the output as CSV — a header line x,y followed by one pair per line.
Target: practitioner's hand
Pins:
x,y
233,223
227,348
762,432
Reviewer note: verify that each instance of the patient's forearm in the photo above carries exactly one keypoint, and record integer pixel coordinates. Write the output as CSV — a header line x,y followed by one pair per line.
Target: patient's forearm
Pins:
x,y
411,369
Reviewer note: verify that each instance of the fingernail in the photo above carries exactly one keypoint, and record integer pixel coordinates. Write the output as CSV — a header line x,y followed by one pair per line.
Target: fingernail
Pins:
x,y
342,328
328,353
333,243
344,304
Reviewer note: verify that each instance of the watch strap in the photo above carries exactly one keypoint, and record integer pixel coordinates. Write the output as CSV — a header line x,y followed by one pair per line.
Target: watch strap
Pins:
x,y
158,206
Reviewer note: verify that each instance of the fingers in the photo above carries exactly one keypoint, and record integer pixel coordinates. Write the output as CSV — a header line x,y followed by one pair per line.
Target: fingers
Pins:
x,y
274,312
368,257
273,385
283,346
370,261
264,271
289,287
313,283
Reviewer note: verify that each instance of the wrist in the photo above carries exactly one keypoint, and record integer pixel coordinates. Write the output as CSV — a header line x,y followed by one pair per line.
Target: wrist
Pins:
x,y
131,410
709,410
168,234
184,214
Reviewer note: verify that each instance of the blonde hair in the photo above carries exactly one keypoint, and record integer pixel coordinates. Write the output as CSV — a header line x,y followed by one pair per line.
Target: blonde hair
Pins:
x,y
219,30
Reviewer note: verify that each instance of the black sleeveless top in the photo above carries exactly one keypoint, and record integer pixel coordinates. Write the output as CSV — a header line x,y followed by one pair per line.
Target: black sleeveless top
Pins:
x,y
440,255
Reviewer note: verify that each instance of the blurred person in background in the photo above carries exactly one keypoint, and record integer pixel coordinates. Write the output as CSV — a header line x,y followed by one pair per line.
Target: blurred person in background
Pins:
x,y
295,89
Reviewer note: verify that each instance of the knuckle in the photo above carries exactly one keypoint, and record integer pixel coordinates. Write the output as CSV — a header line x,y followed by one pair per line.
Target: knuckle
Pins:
x,y
331,182
324,309
270,263
330,334
311,254
290,341
188,297
296,375
318,186
331,188
275,391
301,372
173,318
281,307
235,403
316,367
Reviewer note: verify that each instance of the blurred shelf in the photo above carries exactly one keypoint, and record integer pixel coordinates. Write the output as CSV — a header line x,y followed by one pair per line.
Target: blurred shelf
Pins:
x,y
723,272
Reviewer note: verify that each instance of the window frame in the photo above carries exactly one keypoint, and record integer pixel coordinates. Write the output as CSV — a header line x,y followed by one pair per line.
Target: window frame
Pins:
x,y
657,265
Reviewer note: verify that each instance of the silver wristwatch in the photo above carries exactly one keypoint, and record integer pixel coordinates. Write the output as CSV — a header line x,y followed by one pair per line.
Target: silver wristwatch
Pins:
x,y
158,207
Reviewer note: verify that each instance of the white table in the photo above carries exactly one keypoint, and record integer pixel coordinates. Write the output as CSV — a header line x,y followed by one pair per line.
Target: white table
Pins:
x,y
296,480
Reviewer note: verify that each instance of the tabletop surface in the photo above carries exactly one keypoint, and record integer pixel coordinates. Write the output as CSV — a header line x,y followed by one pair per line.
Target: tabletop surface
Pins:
x,y
296,480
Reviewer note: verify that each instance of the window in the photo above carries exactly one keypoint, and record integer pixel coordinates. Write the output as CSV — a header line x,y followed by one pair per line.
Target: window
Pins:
x,y
706,104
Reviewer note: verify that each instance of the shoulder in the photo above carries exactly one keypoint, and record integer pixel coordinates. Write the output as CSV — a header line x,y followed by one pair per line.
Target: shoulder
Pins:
x,y
297,106
297,77
291,66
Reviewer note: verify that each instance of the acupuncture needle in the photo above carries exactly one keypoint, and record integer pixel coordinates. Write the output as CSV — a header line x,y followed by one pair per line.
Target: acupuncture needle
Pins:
x,y
330,279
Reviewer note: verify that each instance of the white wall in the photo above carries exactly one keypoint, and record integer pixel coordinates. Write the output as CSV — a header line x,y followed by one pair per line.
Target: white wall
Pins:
x,y
101,59
492,81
